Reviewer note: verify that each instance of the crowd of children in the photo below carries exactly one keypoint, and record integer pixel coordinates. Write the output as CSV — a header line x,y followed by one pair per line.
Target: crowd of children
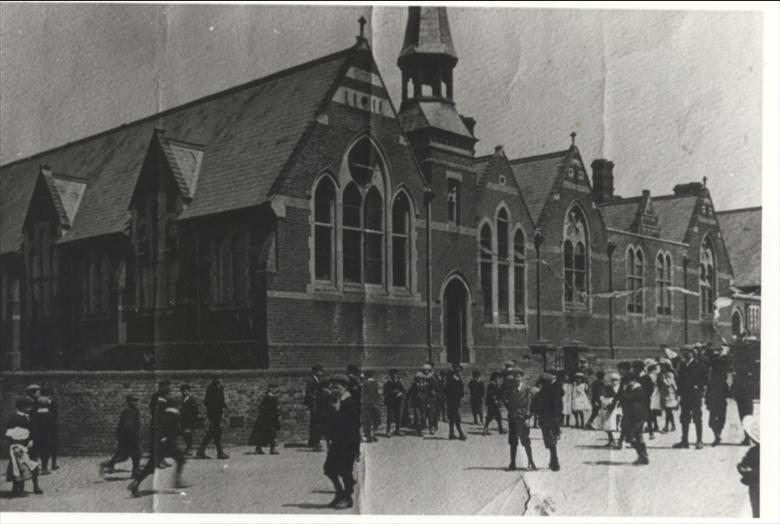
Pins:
x,y
625,405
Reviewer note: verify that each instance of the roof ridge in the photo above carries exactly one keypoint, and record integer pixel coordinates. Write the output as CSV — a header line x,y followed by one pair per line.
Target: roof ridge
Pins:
x,y
542,156
742,209
236,88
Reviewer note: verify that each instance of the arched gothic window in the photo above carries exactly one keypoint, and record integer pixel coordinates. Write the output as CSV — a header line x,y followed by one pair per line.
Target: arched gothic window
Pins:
x,y
635,280
401,240
502,237
519,268
663,281
486,271
707,287
352,237
373,247
324,230
575,257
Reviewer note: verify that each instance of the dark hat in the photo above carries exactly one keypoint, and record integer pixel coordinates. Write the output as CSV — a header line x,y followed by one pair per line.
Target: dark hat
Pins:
x,y
130,398
632,377
352,369
163,384
340,378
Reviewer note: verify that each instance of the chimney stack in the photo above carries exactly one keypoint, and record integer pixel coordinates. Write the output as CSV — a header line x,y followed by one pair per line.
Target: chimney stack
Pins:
x,y
603,180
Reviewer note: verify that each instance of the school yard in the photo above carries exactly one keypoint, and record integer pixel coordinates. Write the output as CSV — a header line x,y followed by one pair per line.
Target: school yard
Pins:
x,y
430,475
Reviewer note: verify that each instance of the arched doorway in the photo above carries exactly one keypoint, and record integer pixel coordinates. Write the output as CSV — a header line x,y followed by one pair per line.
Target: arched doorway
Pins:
x,y
736,323
456,321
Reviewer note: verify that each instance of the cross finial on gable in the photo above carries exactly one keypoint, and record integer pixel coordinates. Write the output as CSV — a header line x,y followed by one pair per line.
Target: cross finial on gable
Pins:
x,y
362,22
573,135
704,181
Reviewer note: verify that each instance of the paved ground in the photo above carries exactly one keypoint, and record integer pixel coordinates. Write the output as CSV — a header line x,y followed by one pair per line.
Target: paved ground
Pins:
x,y
432,475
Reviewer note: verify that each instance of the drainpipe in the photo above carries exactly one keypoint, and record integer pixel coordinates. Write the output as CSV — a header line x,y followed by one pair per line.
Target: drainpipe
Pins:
x,y
428,197
685,262
610,250
538,239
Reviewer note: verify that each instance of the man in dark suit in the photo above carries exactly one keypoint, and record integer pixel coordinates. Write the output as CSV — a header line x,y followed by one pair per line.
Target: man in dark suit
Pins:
x,y
453,393
342,431
128,436
717,390
215,407
548,405
691,377
393,393
312,398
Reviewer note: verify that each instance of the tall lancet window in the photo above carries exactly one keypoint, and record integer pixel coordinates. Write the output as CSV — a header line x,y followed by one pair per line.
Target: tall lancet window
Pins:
x,y
575,257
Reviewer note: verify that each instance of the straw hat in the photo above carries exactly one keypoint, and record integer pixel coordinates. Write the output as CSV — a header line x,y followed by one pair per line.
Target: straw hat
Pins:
x,y
752,426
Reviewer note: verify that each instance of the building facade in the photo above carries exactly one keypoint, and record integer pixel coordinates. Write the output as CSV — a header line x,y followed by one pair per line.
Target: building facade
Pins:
x,y
302,218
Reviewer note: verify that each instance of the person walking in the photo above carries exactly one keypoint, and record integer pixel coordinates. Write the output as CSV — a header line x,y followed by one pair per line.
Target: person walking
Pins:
x,y
189,416
691,377
314,398
166,445
610,412
547,404
54,439
717,390
492,403
453,393
393,395
267,422
750,465
476,397
215,409
42,432
518,405
342,431
635,406
128,437
421,401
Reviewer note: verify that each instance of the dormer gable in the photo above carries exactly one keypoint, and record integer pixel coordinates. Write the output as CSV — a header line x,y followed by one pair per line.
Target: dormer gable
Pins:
x,y
645,220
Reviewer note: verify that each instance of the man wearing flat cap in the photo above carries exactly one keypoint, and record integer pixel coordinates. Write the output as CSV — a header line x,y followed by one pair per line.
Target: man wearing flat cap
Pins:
x,y
518,400
691,378
453,393
342,431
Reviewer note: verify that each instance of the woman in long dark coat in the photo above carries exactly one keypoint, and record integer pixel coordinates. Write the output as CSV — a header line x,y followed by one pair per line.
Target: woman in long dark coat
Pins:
x,y
267,423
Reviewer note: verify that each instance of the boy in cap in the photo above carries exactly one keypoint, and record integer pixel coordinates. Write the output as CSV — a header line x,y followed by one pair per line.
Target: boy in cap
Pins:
x,y
370,406
476,397
168,432
128,436
548,405
342,430
518,404
18,439
189,416
393,393
691,378
421,400
453,393
635,414
492,404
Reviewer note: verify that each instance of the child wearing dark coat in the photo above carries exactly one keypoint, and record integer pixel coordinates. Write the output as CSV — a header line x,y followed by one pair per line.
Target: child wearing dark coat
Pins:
x,y
548,405
19,441
267,423
128,436
476,397
189,416
42,429
492,402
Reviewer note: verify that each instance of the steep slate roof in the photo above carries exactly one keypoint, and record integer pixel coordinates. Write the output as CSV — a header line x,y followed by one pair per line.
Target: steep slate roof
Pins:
x,y
673,211
535,176
438,114
427,32
741,230
248,132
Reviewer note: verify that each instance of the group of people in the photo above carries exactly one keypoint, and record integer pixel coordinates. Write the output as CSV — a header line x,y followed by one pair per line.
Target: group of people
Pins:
x,y
31,437
625,404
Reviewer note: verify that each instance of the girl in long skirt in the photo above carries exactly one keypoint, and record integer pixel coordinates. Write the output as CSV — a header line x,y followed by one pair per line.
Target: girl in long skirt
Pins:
x,y
267,423
580,402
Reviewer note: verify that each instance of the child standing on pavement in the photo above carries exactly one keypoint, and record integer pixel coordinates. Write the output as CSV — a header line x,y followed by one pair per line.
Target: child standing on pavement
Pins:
x,y
189,417
17,435
476,397
492,402
267,423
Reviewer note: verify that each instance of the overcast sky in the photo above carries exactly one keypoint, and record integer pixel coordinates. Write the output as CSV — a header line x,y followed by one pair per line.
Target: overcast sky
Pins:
x,y
669,96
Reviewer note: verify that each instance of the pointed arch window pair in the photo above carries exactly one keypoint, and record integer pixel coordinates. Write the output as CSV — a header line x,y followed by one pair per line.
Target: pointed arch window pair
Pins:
x,y
635,280
361,226
707,279
663,281
575,257
507,261
95,284
42,271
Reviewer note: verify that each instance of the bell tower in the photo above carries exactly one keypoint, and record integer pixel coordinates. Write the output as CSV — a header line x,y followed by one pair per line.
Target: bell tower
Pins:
x,y
428,114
